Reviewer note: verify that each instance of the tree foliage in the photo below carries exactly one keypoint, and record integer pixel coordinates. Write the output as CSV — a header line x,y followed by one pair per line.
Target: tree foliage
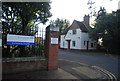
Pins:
x,y
61,23
20,17
107,29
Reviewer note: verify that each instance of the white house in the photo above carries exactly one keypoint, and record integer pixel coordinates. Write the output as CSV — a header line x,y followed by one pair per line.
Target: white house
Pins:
x,y
76,36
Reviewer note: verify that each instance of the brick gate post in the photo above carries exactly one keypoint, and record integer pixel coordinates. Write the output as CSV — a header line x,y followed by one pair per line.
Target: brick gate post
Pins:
x,y
52,47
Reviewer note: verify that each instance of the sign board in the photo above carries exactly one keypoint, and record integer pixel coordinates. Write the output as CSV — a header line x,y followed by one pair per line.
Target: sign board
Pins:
x,y
19,40
54,28
54,40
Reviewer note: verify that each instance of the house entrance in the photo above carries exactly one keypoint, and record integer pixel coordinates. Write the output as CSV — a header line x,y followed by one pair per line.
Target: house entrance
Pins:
x,y
68,44
87,45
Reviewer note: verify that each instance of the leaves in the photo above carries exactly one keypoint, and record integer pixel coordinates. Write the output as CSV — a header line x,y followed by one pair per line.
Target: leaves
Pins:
x,y
61,23
24,14
106,27
20,17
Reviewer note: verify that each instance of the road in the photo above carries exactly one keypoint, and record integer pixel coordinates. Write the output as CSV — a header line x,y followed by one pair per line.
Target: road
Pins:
x,y
106,61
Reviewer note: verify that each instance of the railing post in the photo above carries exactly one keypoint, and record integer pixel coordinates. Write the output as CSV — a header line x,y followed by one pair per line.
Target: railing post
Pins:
x,y
52,34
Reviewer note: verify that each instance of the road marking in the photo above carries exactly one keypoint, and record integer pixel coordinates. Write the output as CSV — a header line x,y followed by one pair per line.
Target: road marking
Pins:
x,y
76,62
89,72
109,74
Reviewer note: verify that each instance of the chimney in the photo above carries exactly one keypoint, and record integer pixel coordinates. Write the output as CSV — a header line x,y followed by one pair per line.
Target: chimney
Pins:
x,y
86,20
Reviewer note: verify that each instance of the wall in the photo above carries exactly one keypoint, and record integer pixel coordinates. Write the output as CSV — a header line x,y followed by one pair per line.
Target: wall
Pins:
x,y
65,45
74,37
85,37
17,65
79,38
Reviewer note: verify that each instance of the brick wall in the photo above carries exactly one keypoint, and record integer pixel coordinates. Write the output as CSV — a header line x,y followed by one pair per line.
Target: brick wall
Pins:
x,y
22,66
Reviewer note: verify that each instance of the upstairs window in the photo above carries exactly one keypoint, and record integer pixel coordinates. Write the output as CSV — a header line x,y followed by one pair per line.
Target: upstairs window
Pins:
x,y
74,31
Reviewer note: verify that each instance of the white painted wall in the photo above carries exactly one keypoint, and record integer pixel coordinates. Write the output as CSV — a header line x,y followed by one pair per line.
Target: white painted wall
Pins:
x,y
62,40
74,37
85,37
79,38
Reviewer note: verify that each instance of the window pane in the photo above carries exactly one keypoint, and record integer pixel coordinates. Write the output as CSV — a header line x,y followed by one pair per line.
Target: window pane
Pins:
x,y
92,45
84,43
73,43
74,31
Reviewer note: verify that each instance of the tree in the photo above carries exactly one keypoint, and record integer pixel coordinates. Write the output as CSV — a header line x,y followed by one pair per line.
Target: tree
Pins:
x,y
107,29
61,23
20,17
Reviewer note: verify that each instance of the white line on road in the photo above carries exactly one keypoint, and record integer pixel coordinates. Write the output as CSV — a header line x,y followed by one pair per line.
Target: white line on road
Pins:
x,y
112,77
109,74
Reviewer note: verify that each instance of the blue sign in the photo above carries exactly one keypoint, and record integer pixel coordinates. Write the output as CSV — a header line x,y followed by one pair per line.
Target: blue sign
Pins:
x,y
19,43
19,40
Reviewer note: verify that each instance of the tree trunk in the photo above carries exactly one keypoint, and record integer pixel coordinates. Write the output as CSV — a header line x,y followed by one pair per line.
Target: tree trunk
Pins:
x,y
24,25
22,51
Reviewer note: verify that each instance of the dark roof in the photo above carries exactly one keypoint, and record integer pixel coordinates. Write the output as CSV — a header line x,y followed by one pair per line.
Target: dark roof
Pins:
x,y
82,26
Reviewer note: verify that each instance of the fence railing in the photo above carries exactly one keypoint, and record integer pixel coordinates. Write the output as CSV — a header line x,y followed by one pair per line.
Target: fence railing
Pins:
x,y
37,50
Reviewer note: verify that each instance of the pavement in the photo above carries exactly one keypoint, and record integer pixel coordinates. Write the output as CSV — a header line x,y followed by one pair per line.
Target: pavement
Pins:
x,y
67,70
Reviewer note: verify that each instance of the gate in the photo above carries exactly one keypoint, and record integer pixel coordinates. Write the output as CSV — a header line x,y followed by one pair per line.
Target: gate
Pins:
x,y
38,49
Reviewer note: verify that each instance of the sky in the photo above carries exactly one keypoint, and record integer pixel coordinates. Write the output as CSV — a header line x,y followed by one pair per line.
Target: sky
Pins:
x,y
76,9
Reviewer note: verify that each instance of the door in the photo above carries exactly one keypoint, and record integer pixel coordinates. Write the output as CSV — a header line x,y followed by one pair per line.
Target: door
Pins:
x,y
87,45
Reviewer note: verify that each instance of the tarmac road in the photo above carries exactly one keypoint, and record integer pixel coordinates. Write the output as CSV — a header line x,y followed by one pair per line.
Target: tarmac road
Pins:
x,y
105,61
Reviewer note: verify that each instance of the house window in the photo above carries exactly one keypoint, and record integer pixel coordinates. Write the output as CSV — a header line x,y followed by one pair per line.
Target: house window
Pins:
x,y
84,43
92,45
73,43
74,32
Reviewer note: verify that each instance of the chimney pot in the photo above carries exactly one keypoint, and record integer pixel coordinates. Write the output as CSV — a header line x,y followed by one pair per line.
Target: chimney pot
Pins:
x,y
86,20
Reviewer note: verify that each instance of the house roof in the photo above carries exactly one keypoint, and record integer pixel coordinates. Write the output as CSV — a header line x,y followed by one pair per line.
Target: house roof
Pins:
x,y
80,25
65,31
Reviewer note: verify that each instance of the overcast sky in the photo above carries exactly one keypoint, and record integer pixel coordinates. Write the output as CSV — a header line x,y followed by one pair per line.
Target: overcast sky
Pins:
x,y
76,9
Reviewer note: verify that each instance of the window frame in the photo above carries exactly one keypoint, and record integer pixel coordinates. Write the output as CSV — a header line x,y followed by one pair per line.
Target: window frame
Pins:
x,y
74,31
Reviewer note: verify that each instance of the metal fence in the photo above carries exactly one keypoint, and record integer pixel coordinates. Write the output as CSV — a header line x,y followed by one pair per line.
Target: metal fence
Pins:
x,y
37,50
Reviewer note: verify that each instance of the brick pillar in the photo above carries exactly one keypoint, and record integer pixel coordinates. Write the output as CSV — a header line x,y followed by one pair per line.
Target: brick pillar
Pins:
x,y
52,47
